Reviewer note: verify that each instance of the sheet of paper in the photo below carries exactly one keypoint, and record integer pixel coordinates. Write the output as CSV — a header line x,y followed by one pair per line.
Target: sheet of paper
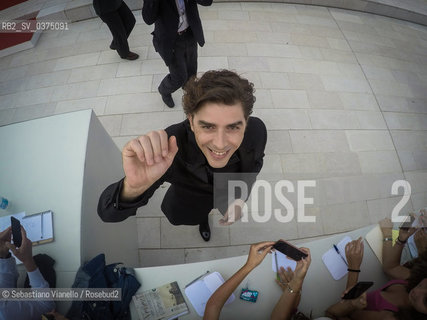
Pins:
x,y
198,295
47,225
201,290
375,241
412,247
213,281
39,226
33,227
282,261
334,261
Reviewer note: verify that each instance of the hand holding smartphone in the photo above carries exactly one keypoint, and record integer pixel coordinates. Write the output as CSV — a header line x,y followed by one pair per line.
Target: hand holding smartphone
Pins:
x,y
289,250
16,232
358,290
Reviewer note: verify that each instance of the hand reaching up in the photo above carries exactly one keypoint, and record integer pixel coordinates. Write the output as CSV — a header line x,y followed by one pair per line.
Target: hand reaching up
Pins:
x,y
145,160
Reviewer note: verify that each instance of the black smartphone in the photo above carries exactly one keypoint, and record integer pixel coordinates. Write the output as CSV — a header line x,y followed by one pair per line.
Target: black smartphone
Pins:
x,y
16,232
289,250
357,290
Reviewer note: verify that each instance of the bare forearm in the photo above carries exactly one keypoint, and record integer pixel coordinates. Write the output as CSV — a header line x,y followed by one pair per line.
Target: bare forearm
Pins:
x,y
288,301
391,262
391,255
218,299
340,309
352,278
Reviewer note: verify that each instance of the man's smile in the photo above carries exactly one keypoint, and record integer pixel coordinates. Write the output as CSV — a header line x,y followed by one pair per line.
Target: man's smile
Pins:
x,y
219,130
218,154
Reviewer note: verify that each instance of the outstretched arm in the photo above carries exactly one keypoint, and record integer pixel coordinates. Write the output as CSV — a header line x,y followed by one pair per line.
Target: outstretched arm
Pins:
x,y
354,254
392,254
215,303
146,161
354,310
345,308
291,284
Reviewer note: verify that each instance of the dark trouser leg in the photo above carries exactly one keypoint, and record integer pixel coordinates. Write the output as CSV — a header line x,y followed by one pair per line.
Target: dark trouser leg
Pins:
x,y
186,207
191,58
120,28
183,65
188,216
127,17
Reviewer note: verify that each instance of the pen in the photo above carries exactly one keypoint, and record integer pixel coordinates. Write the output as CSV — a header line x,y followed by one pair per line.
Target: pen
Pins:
x,y
277,267
336,249
197,279
41,226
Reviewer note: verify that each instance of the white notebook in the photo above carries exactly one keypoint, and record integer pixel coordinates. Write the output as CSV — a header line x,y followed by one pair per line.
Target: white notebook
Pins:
x,y
334,261
375,240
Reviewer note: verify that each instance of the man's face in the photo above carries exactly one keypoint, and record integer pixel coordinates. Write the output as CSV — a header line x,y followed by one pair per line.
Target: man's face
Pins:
x,y
219,130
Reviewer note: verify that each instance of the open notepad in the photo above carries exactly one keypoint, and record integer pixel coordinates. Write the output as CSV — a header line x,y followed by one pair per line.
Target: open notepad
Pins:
x,y
334,261
39,227
375,240
200,290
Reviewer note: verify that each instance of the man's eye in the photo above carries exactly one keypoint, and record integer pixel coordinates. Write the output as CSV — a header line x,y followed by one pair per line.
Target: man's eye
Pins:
x,y
207,127
233,128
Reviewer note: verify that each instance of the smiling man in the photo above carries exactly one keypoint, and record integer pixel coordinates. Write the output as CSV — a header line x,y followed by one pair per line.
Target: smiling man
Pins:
x,y
218,136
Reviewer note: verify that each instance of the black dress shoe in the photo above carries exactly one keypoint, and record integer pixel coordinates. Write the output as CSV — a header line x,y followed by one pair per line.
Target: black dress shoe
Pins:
x,y
167,99
131,56
205,231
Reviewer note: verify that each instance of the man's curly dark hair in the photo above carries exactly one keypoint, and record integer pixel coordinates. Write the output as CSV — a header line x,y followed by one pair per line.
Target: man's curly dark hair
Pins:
x,y
218,86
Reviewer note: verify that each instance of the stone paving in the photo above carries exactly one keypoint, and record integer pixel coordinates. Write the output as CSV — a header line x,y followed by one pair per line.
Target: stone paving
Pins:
x,y
343,95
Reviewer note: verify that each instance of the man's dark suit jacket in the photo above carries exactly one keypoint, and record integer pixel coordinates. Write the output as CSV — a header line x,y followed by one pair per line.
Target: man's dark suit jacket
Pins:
x,y
164,15
104,6
190,196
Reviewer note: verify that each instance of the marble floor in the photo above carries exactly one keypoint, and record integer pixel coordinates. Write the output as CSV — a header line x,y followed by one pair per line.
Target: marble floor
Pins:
x,y
343,95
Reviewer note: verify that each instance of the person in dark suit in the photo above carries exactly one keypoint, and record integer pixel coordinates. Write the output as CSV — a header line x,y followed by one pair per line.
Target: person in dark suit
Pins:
x,y
177,30
218,136
120,20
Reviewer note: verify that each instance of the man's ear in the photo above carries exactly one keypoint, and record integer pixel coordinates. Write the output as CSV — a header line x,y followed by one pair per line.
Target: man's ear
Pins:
x,y
190,119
